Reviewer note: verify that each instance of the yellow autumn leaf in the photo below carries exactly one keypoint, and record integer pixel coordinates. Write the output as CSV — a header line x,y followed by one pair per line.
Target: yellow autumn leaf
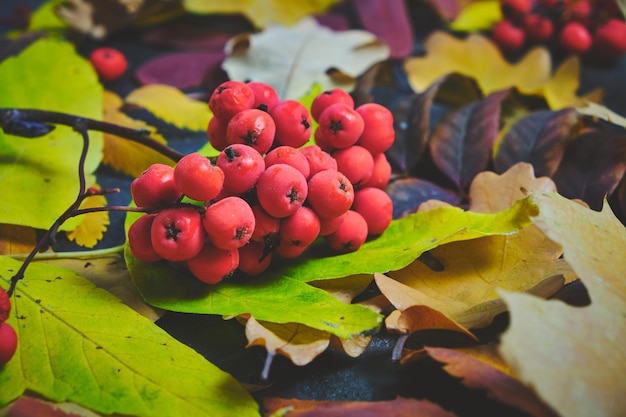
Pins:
x,y
261,12
477,15
172,106
93,225
122,154
478,57
574,357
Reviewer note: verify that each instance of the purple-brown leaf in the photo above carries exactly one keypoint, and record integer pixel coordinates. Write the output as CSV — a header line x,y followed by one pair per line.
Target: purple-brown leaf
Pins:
x,y
408,193
182,70
389,21
187,37
461,144
592,167
539,139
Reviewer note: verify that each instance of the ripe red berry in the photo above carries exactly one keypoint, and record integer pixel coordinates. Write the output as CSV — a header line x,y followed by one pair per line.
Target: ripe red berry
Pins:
x,y
514,9
538,28
254,259
350,235
581,11
242,165
229,223
216,133
252,127
376,208
507,36
197,178
290,156
356,163
318,159
328,98
609,40
381,173
177,233
212,265
229,98
109,63
575,38
155,186
330,193
266,227
265,97
8,343
328,226
340,126
297,232
140,239
281,190
378,133
293,123
5,305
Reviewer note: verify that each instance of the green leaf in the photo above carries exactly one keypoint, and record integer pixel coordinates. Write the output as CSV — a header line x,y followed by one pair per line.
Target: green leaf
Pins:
x,y
79,343
479,15
38,177
45,17
282,296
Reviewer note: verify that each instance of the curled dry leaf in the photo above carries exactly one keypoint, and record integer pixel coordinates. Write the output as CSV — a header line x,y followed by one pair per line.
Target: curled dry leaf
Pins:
x,y
299,343
291,58
475,373
574,357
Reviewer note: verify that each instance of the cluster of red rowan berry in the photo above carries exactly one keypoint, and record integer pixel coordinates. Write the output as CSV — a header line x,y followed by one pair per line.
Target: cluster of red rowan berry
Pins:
x,y
268,195
8,337
577,26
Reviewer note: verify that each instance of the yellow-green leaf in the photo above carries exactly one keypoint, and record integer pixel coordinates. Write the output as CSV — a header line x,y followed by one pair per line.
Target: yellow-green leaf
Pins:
x,y
261,12
172,106
478,15
93,225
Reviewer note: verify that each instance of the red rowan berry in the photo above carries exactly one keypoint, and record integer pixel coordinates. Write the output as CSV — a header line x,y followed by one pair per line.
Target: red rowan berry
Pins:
x,y
350,235
609,40
212,265
378,133
229,223
109,63
538,28
340,126
330,193
328,98
155,186
514,9
356,163
376,208
140,239
575,38
177,233
5,305
293,123
297,232
381,173
252,127
216,133
254,259
507,36
318,159
8,342
290,156
229,98
197,178
266,227
281,190
330,225
265,97
242,166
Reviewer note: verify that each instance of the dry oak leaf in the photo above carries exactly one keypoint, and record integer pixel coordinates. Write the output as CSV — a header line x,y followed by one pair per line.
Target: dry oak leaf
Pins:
x,y
490,192
261,12
93,225
466,289
299,343
292,58
478,57
476,373
124,155
601,112
574,357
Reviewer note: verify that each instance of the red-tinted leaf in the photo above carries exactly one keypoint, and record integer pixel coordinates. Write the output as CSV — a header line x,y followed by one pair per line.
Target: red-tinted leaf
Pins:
x,y
182,70
187,37
30,407
539,138
400,407
389,21
461,144
592,167
408,193
412,126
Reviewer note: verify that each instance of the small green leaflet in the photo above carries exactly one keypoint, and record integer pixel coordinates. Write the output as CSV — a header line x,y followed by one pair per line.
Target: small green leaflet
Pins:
x,y
79,343
38,177
283,295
